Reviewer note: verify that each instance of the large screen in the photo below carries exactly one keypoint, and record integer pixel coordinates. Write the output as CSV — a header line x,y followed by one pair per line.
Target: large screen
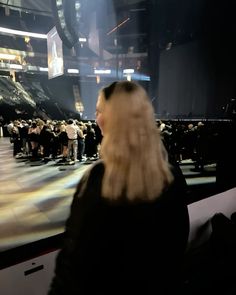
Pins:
x,y
55,54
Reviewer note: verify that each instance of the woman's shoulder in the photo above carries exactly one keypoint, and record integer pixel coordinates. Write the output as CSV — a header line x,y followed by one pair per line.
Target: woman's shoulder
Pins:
x,y
92,178
96,169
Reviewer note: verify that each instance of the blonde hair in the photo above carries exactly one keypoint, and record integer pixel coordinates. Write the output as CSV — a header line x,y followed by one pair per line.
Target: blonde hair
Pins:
x,y
136,163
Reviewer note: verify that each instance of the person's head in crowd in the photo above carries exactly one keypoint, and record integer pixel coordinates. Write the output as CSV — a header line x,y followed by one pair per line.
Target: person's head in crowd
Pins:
x,y
16,123
130,140
190,126
34,124
40,123
62,127
70,121
200,124
89,127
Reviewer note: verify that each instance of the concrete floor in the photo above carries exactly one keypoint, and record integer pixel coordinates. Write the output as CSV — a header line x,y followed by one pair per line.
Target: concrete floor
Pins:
x,y
34,197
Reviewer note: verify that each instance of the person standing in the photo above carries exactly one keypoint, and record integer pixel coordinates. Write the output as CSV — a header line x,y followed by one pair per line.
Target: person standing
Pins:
x,y
72,131
128,227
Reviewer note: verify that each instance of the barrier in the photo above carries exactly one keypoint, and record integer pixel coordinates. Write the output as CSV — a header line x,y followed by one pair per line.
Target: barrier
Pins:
x,y
202,211
32,277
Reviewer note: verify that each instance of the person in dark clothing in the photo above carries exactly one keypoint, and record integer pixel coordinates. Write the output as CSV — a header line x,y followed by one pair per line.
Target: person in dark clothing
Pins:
x,y
128,227
16,140
46,137
90,142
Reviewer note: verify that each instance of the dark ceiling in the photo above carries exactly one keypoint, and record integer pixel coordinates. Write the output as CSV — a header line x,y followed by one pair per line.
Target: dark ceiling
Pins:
x,y
44,6
37,16
141,22
40,7
134,33
177,20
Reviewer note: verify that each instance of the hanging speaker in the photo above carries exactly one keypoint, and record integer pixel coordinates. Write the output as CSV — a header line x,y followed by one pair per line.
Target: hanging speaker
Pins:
x,y
67,15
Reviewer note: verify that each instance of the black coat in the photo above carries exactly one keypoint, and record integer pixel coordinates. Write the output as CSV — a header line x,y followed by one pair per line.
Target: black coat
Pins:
x,y
121,248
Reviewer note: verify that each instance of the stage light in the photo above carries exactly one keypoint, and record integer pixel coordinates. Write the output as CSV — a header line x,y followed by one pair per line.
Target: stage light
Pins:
x,y
43,69
16,67
106,72
22,33
7,56
73,71
128,71
82,40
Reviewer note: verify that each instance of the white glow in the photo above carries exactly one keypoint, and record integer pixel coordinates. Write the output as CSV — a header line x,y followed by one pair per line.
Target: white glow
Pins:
x,y
82,39
168,46
43,69
73,71
129,78
7,56
98,79
32,68
22,33
102,71
15,66
128,71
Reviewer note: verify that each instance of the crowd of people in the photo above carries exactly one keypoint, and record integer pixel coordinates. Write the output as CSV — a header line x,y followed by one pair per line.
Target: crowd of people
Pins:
x,y
195,140
74,140
71,140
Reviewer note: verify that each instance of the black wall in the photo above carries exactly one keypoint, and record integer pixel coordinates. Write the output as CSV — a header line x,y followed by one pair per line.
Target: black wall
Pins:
x,y
197,75
185,83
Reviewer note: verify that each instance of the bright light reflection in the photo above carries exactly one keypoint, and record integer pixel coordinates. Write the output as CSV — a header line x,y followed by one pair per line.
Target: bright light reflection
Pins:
x,y
22,33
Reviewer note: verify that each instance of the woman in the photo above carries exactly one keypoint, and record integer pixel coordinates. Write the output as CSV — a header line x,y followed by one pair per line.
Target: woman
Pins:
x,y
34,137
128,227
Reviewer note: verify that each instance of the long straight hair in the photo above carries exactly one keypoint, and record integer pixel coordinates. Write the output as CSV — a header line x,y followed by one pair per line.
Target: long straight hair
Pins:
x,y
136,162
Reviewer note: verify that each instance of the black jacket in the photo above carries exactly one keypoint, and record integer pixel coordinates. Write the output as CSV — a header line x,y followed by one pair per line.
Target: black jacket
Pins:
x,y
121,248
